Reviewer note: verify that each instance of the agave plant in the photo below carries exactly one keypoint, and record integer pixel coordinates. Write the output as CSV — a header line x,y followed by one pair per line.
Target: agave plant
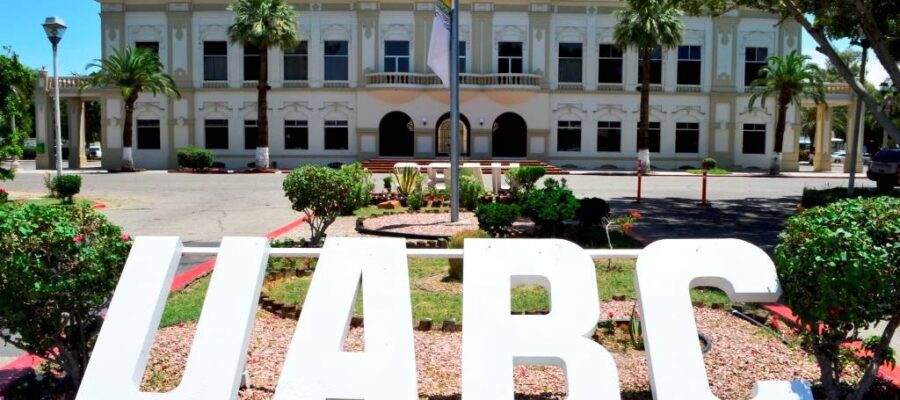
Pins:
x,y
408,180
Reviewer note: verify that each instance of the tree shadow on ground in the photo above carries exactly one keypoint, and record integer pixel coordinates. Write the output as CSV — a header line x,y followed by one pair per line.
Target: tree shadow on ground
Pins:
x,y
755,220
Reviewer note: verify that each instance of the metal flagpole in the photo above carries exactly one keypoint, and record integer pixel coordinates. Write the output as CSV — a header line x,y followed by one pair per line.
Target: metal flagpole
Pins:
x,y
454,111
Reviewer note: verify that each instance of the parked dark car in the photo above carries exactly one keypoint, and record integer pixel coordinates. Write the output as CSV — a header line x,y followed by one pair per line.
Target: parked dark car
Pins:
x,y
885,169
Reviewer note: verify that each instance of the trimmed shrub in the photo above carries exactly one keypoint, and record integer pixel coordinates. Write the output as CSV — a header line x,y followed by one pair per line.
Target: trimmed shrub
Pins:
x,y
821,197
497,218
60,266
838,267
362,186
415,201
470,191
592,211
709,163
321,193
66,187
522,180
456,242
194,158
551,206
387,183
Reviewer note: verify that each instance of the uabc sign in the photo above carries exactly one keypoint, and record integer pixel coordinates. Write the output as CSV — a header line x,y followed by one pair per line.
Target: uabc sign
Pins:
x,y
494,341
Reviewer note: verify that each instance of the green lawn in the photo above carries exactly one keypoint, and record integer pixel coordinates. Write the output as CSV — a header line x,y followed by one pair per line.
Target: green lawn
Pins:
x,y
433,296
714,171
369,211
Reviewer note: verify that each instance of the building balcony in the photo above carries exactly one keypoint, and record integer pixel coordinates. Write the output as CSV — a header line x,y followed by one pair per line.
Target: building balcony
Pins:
x,y
411,79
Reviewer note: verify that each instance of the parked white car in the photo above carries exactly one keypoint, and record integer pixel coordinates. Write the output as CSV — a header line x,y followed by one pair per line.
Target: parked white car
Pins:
x,y
838,156
94,152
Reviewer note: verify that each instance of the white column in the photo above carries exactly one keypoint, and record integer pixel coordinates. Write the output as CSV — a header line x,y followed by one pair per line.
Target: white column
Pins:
x,y
77,157
822,159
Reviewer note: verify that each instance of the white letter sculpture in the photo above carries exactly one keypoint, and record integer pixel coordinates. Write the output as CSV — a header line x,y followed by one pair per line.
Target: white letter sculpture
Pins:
x,y
494,341
316,368
219,351
666,270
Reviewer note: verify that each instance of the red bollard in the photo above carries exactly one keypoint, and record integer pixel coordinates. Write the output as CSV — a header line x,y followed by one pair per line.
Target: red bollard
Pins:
x,y
640,172
703,194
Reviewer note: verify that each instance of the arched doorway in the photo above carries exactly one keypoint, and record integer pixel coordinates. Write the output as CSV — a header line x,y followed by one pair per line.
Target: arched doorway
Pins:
x,y
442,135
509,137
396,135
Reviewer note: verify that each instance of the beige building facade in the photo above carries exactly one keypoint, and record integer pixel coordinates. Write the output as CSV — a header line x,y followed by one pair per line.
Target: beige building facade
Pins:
x,y
540,81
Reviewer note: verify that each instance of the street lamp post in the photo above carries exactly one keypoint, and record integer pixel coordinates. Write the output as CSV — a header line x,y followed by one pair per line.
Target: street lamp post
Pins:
x,y
55,28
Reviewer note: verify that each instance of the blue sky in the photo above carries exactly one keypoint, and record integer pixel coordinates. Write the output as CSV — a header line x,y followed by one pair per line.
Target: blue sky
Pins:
x,y
21,29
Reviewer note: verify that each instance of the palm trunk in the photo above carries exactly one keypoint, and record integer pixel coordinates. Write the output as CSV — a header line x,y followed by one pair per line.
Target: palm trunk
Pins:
x,y
644,130
784,100
127,133
262,140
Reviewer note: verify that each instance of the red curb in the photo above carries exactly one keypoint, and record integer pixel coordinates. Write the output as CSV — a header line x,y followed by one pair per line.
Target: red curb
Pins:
x,y
98,205
886,371
27,363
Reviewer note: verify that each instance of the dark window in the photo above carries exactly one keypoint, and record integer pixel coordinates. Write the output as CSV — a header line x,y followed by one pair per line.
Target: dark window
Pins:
x,y
337,60
462,57
296,135
570,62
251,63
568,136
152,46
336,135
609,67
687,137
655,66
296,63
609,136
690,60
754,139
215,61
654,136
251,133
396,56
509,60
754,60
148,134
216,134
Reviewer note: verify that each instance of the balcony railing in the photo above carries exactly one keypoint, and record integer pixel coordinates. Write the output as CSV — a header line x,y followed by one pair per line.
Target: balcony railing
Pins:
x,y
376,79
65,82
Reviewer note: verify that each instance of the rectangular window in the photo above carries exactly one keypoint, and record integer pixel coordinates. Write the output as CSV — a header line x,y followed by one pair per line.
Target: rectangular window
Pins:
x,y
568,136
216,134
296,135
337,60
509,60
462,57
609,67
690,60
655,67
148,134
152,46
754,60
396,56
251,63
754,139
609,136
296,63
215,61
655,133
570,62
251,133
336,135
687,137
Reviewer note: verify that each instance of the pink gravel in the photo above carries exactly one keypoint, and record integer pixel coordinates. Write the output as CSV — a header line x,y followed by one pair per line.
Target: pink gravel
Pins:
x,y
741,355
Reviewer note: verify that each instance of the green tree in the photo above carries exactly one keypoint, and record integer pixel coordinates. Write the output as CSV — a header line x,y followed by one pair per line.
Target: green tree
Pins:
x,y
790,79
263,24
16,87
133,71
646,25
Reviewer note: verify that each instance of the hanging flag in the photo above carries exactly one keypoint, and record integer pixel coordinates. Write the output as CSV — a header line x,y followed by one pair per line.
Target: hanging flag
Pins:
x,y
439,48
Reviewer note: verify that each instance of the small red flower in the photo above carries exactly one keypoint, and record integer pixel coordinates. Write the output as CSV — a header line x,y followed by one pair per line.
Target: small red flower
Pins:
x,y
78,239
634,213
832,312
626,227
125,237
611,315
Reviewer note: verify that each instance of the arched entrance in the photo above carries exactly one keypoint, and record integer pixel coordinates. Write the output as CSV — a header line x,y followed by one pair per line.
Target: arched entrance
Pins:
x,y
509,137
396,135
442,135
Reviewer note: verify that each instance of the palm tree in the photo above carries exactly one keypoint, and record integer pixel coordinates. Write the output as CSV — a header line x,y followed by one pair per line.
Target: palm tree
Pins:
x,y
791,78
263,24
646,25
134,71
